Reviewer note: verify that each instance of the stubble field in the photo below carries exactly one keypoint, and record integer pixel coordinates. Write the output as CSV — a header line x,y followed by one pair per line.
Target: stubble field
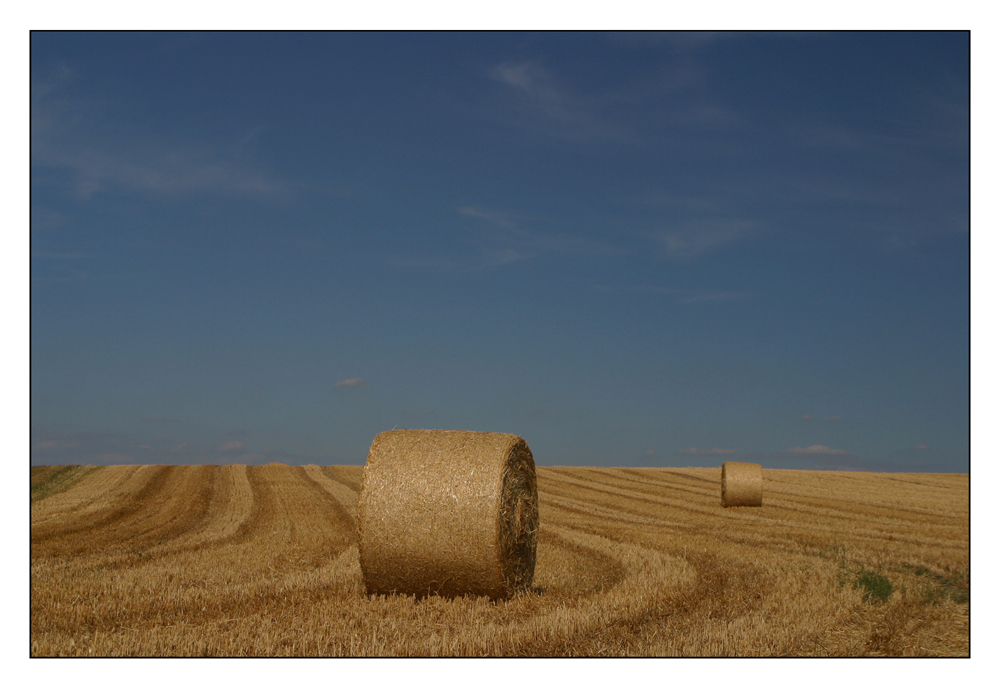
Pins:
x,y
263,561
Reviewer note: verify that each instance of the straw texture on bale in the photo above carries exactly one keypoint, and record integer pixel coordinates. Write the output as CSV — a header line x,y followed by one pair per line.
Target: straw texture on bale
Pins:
x,y
742,484
448,512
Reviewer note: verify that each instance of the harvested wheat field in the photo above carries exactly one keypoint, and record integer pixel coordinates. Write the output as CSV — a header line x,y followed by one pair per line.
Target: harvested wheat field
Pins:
x,y
263,561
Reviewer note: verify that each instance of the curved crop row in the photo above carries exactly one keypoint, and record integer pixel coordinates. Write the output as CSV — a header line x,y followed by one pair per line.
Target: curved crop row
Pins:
x,y
263,561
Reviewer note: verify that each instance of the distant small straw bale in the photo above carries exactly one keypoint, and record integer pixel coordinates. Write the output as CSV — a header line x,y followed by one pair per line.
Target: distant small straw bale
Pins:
x,y
742,484
448,512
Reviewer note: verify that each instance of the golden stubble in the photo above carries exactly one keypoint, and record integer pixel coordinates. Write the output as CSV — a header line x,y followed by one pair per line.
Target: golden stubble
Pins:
x,y
263,561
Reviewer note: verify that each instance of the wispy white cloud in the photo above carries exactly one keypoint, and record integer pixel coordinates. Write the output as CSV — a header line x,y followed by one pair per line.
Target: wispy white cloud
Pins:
x,y
702,236
56,444
499,219
231,446
910,200
658,107
84,447
545,104
503,256
351,382
506,242
826,419
503,238
716,451
99,149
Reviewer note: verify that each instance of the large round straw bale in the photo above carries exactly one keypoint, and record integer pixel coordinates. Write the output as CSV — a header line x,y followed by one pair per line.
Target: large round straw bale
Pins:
x,y
448,512
742,484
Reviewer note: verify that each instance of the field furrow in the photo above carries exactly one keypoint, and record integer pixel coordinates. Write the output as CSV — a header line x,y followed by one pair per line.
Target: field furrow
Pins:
x,y
346,497
94,492
642,499
120,508
263,561
229,504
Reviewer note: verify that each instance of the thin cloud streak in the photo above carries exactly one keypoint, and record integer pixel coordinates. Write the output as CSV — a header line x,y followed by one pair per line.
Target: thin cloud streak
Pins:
x,y
351,382
648,111
504,239
56,444
543,104
498,219
72,135
701,236
510,227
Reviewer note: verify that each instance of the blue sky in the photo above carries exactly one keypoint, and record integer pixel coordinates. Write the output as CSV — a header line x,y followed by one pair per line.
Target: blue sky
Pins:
x,y
630,249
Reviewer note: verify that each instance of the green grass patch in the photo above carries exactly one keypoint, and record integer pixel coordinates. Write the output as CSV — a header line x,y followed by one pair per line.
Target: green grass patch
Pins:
x,y
955,589
877,587
937,587
58,480
916,570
